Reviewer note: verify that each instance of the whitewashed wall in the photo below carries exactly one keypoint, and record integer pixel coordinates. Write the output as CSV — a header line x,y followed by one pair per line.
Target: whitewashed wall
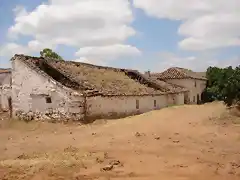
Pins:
x,y
30,88
190,85
5,94
126,105
5,90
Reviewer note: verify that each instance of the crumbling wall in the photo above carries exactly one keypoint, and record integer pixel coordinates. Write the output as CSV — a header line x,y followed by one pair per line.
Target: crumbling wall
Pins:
x,y
35,96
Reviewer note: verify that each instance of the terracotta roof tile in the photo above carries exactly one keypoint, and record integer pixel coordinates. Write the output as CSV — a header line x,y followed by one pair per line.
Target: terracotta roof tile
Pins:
x,y
179,73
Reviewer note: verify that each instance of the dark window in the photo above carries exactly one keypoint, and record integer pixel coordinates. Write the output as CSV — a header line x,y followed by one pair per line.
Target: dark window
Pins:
x,y
193,98
137,104
155,103
195,83
48,100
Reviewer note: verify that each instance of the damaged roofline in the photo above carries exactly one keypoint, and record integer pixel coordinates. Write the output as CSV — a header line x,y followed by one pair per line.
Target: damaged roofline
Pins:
x,y
64,81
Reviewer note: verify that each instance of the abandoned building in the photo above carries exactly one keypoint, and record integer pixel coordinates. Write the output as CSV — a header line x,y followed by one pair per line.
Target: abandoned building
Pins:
x,y
195,82
5,88
46,88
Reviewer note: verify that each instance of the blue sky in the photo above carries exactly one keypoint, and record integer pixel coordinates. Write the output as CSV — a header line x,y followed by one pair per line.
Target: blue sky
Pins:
x,y
156,38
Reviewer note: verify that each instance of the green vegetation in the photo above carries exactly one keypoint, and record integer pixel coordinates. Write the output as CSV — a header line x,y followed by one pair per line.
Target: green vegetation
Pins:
x,y
223,84
50,54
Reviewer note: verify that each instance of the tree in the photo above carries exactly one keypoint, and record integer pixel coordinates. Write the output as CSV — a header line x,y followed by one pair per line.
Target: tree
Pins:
x,y
223,84
231,89
50,54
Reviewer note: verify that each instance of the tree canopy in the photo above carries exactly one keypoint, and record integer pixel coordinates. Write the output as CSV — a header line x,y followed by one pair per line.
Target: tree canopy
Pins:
x,y
50,54
223,84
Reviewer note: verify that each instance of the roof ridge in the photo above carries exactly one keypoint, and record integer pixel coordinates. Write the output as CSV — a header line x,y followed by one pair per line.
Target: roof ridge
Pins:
x,y
182,71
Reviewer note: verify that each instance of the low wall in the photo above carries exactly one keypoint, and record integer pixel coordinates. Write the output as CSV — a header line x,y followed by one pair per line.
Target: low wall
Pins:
x,y
122,106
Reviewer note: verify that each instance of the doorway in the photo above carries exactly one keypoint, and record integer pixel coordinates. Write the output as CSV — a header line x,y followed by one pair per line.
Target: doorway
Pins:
x,y
198,99
10,106
186,98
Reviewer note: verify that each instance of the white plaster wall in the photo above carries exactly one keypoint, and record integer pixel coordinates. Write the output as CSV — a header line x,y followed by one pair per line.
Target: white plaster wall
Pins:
x,y
5,93
126,105
28,87
190,85
179,99
5,90
5,79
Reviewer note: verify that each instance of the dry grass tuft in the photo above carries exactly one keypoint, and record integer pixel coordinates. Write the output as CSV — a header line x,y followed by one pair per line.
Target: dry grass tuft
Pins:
x,y
232,115
57,164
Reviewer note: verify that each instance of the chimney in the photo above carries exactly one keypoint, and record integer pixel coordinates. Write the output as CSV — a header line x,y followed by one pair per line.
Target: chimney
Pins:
x,y
148,73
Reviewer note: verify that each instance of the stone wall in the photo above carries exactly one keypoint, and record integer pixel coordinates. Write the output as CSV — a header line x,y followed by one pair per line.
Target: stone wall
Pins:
x,y
36,95
195,87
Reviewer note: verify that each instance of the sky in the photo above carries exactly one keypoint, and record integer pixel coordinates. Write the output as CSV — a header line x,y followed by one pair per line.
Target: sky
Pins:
x,y
138,34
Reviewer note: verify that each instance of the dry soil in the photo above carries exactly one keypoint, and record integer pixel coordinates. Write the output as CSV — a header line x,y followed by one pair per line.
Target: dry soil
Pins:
x,y
178,143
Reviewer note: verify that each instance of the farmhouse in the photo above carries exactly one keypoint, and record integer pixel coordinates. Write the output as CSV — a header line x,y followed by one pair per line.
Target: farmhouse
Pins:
x,y
193,81
46,88
5,88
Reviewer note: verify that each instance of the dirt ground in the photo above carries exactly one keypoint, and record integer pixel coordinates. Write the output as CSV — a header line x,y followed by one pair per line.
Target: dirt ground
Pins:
x,y
177,143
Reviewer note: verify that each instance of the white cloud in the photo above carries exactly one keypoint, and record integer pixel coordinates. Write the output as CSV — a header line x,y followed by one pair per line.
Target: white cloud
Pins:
x,y
10,49
196,63
108,52
77,23
205,24
36,46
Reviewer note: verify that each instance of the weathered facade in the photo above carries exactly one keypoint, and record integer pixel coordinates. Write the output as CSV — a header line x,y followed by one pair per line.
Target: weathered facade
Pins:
x,y
36,94
51,89
5,88
193,81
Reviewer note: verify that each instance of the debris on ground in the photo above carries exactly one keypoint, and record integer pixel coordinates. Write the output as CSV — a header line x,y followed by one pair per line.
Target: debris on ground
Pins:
x,y
157,138
112,164
138,134
107,168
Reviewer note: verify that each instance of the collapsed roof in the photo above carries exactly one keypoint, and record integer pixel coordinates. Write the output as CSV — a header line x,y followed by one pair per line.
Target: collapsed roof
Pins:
x,y
92,79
